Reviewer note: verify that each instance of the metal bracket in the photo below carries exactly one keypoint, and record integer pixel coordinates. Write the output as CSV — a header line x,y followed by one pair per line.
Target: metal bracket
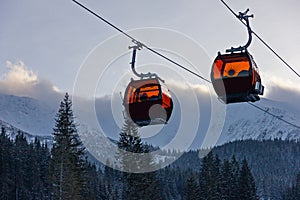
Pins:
x,y
139,46
245,19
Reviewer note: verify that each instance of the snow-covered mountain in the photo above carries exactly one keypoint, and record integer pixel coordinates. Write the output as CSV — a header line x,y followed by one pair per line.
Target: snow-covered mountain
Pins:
x,y
28,114
12,132
242,121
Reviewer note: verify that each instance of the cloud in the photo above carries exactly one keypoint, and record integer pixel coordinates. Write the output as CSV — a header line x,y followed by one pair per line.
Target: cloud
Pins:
x,y
21,81
19,73
282,90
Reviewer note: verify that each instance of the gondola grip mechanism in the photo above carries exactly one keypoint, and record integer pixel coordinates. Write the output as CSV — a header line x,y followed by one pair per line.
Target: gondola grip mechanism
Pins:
x,y
245,19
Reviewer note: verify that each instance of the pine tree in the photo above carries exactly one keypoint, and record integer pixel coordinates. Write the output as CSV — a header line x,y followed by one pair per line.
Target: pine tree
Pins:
x,y
191,191
67,163
7,182
227,183
136,185
22,166
110,179
93,190
297,186
294,191
209,177
235,194
130,145
168,182
217,178
42,158
247,188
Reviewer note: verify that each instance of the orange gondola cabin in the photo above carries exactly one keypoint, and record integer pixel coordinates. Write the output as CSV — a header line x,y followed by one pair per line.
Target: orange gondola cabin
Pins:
x,y
235,78
148,101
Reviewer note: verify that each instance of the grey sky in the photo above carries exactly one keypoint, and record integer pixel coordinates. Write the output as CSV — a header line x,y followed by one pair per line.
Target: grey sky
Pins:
x,y
53,37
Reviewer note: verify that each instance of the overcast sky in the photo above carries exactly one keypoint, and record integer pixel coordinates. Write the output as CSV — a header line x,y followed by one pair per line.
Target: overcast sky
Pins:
x,y
50,39
48,46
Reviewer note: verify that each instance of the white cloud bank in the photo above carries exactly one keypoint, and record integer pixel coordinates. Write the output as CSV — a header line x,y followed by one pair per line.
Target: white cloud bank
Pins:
x,y
21,81
285,90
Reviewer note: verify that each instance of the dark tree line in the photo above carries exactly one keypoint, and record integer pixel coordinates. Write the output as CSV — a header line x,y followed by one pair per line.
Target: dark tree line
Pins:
x,y
32,171
23,168
134,159
293,192
227,180
274,163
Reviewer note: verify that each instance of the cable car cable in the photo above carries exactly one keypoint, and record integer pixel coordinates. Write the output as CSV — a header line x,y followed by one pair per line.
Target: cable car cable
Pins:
x,y
268,46
181,66
277,117
106,21
140,43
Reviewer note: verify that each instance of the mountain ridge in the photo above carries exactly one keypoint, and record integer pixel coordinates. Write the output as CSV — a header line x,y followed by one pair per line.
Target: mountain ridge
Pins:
x,y
258,125
12,131
241,122
28,114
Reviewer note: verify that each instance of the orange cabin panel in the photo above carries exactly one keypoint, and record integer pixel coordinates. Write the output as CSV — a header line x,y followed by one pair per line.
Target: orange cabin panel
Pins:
x,y
166,101
130,94
231,65
217,68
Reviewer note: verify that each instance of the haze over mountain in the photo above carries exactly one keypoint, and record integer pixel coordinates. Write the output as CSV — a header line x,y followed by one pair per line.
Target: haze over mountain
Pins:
x,y
198,120
242,121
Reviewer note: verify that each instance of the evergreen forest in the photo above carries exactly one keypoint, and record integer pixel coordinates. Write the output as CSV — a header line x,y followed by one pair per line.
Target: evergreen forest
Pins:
x,y
238,170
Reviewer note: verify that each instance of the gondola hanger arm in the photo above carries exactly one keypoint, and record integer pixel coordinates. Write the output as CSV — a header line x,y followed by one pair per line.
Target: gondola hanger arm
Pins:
x,y
244,18
136,47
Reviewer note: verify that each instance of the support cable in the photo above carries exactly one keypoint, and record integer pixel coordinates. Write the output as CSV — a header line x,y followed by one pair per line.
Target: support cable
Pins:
x,y
265,43
273,115
140,44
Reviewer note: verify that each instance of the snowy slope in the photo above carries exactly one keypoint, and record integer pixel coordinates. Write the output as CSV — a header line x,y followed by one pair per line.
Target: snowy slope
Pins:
x,y
30,115
12,132
244,121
